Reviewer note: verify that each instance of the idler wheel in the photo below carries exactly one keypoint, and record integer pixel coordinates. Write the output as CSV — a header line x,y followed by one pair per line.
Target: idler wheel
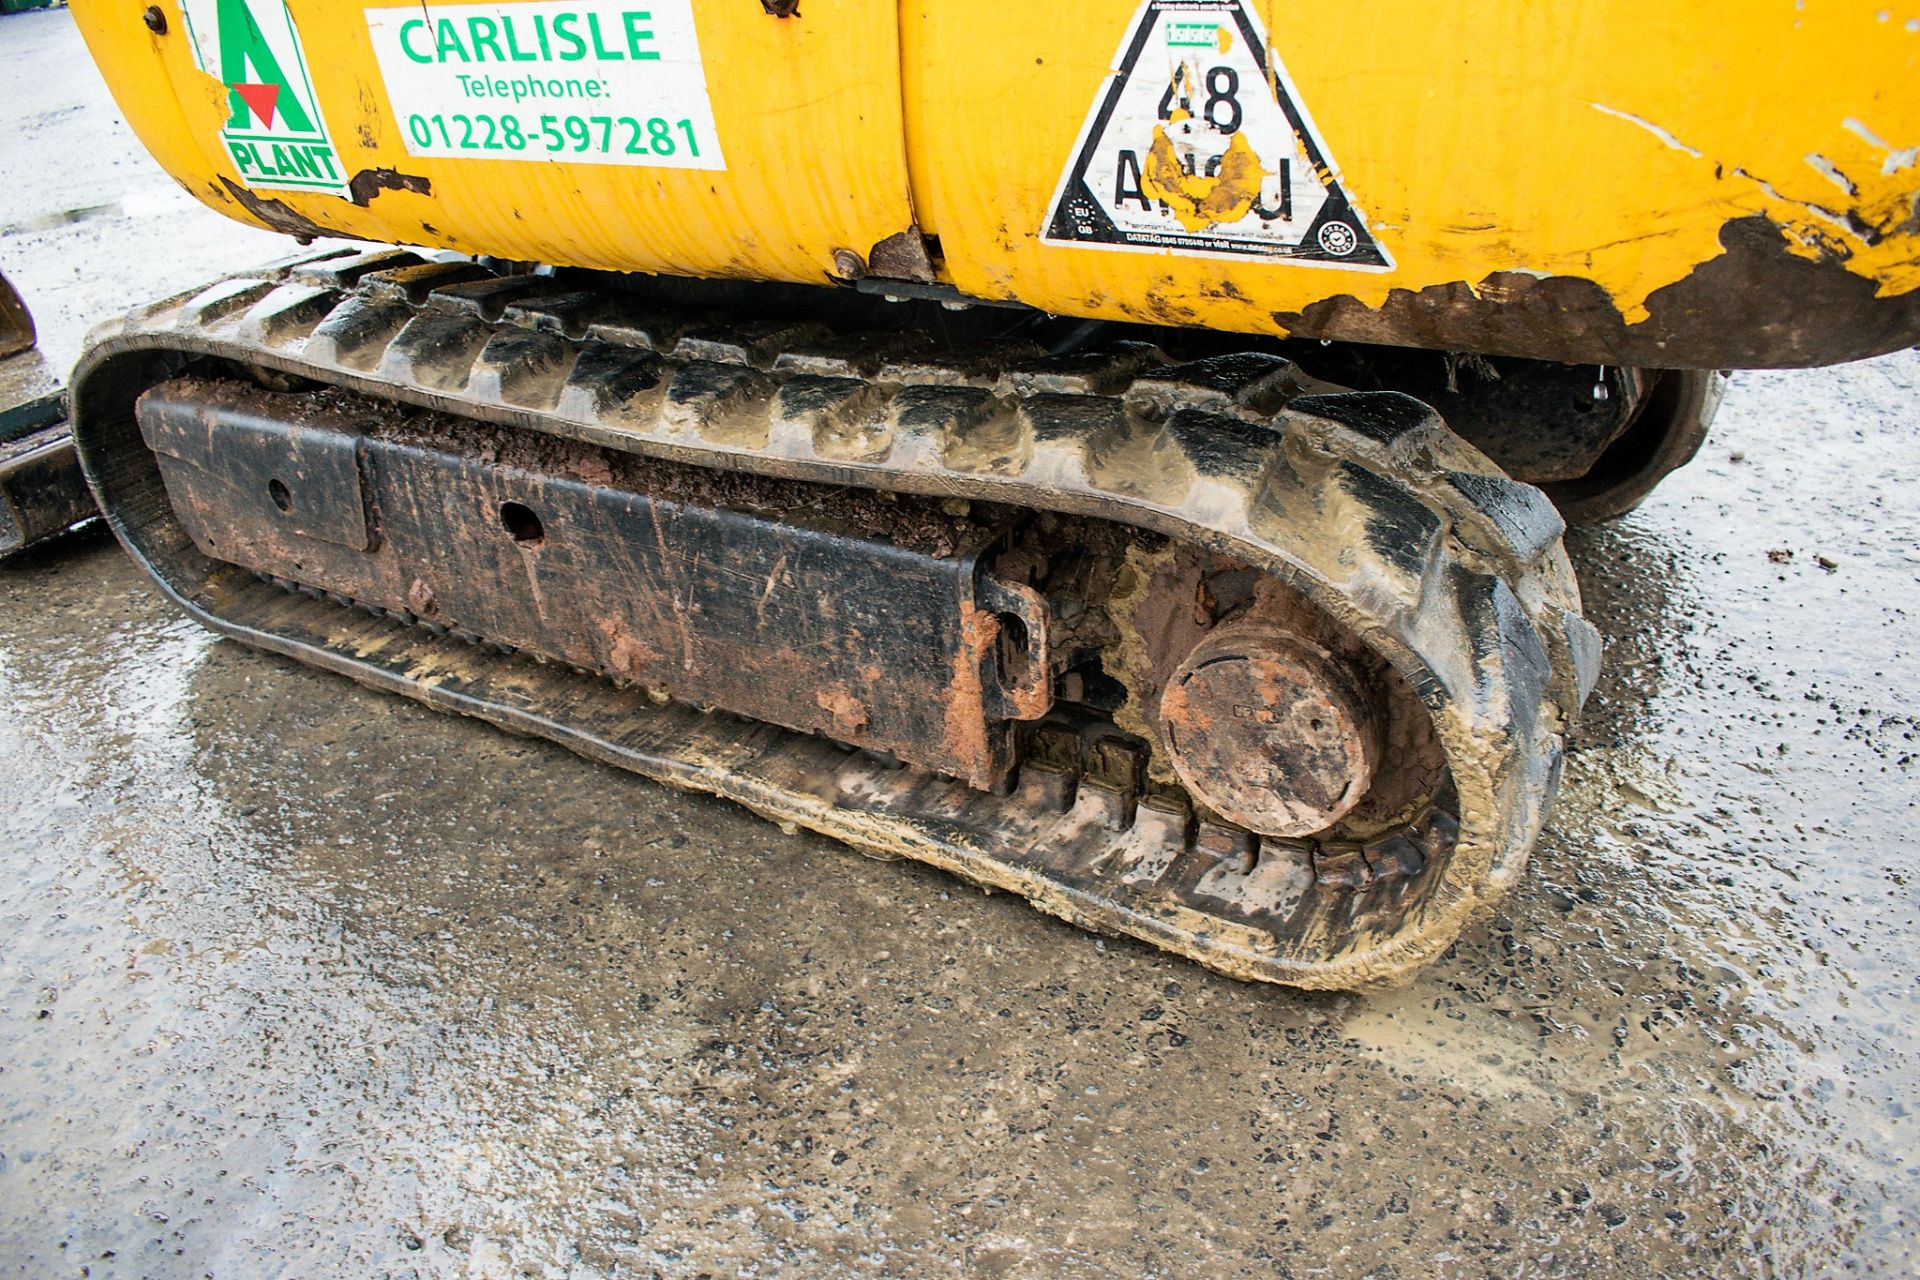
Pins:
x,y
1270,730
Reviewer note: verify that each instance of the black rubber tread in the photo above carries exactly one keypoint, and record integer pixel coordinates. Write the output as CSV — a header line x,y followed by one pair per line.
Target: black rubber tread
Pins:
x,y
1365,502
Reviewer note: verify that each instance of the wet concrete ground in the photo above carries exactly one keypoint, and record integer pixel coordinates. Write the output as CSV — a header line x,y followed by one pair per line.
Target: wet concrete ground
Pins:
x,y
299,980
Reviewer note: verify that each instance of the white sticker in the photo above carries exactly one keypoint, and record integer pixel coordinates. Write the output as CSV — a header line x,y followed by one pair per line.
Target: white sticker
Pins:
x,y
584,81
274,132
1198,143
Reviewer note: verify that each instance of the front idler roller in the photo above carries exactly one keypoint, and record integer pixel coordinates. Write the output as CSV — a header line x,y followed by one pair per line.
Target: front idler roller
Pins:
x,y
1270,730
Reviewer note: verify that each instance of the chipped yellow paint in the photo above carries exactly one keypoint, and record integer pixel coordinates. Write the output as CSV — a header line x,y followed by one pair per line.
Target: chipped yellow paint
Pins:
x,y
1608,142
1200,202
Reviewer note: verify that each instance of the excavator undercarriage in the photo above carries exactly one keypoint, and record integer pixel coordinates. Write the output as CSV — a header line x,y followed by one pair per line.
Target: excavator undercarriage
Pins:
x,y
1195,648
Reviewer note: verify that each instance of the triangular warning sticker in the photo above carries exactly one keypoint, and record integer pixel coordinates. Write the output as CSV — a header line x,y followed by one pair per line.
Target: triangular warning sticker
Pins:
x,y
1198,143
260,99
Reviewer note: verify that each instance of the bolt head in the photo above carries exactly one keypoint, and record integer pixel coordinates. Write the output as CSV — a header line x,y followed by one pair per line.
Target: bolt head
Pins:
x,y
155,19
848,265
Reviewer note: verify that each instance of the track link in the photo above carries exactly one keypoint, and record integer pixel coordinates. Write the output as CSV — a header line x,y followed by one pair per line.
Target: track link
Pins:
x,y
1362,503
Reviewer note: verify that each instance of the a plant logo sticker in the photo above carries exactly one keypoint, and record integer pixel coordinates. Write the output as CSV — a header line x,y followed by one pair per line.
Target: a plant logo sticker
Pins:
x,y
274,132
1198,143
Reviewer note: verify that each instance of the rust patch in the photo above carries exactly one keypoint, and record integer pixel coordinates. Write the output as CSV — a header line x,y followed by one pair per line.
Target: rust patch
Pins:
x,y
275,213
420,598
1756,306
574,553
368,183
966,728
902,256
848,712
590,467
627,655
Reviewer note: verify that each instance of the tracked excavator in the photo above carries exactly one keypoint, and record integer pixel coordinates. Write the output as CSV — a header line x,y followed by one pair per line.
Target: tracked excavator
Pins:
x,y
1116,452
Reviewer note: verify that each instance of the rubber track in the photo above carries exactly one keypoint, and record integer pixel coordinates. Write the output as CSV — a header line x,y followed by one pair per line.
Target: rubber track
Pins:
x,y
1363,501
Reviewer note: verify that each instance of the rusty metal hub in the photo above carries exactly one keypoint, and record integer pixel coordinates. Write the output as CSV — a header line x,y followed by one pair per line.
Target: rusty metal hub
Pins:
x,y
1270,730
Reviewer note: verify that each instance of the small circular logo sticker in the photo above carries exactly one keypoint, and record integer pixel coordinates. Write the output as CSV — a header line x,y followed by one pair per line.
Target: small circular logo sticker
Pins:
x,y
1338,239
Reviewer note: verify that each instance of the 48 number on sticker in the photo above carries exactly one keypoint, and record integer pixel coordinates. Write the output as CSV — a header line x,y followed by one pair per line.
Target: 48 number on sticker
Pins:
x,y
1222,109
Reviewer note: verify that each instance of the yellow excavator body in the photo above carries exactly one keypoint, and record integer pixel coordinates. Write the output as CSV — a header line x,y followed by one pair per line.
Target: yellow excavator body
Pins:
x,y
1705,185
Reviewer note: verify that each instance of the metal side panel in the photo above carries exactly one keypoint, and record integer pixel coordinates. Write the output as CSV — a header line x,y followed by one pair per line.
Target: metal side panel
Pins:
x,y
1706,185
708,139
1669,186
555,552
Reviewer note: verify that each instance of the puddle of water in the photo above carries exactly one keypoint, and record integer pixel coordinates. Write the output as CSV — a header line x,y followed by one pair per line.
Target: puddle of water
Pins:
x,y
59,218
440,999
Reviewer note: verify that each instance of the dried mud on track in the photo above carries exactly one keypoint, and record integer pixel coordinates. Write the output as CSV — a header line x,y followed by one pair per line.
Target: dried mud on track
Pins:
x,y
303,981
